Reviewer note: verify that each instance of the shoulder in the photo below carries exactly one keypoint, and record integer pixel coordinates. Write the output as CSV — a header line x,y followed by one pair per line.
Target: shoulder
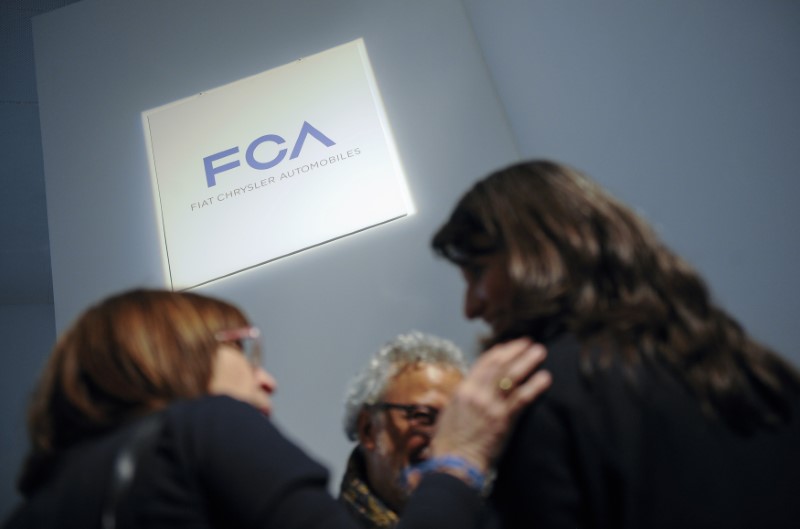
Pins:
x,y
210,406
228,456
588,375
218,422
595,401
578,379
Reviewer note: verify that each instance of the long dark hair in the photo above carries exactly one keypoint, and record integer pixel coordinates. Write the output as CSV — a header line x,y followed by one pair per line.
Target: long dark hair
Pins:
x,y
583,262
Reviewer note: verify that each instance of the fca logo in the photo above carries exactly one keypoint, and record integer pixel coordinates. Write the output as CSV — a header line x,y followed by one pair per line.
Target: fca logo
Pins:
x,y
250,156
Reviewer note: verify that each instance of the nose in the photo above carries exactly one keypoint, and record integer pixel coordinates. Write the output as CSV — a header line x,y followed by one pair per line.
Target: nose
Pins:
x,y
266,381
474,301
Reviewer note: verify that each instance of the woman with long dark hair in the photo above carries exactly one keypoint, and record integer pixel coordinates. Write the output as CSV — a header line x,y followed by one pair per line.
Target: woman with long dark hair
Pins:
x,y
664,412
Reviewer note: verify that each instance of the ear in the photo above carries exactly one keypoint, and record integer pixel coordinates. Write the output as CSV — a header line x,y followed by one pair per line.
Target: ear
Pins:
x,y
366,428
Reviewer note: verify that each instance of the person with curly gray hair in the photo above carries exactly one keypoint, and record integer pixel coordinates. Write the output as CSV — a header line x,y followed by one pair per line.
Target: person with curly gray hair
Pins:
x,y
391,407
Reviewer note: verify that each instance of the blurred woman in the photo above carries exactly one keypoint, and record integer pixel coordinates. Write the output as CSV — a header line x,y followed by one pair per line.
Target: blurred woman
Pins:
x,y
664,412
153,411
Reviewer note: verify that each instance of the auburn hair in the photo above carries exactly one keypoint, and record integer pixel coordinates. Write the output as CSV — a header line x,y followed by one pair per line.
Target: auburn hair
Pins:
x,y
127,356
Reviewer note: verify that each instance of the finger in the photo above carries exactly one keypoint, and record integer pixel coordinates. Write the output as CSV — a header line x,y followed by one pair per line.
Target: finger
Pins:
x,y
523,364
504,352
498,359
529,390
520,368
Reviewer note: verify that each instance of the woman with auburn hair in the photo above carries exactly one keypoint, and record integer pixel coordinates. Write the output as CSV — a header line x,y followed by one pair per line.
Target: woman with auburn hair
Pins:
x,y
153,411
664,412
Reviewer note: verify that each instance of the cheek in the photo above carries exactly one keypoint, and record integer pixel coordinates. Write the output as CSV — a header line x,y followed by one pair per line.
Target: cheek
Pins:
x,y
391,447
383,447
231,376
498,288
492,294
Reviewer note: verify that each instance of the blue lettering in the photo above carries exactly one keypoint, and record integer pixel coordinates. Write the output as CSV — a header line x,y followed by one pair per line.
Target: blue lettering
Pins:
x,y
301,138
250,155
211,171
251,159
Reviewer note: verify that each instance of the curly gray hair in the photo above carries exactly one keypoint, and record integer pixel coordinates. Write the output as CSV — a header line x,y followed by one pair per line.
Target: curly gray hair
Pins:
x,y
368,386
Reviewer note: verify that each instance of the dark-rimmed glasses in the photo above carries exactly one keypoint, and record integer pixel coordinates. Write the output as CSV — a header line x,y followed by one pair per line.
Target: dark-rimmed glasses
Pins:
x,y
415,414
245,339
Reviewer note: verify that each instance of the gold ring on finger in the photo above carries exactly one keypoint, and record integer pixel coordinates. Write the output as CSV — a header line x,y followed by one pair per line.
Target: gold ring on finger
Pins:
x,y
505,384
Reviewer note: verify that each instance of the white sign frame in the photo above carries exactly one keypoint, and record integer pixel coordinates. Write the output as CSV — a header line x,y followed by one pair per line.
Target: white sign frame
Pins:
x,y
271,165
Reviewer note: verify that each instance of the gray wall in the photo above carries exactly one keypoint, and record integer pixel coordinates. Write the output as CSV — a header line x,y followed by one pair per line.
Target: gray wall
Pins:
x,y
28,334
687,109
323,311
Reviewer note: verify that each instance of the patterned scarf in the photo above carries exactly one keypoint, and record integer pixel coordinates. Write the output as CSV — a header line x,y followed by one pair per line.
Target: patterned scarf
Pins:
x,y
357,497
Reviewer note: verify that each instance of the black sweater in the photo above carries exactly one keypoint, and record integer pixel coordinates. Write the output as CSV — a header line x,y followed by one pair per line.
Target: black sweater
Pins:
x,y
217,462
633,450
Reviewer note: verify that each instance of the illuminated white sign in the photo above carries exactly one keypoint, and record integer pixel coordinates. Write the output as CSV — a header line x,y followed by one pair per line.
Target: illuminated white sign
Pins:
x,y
273,164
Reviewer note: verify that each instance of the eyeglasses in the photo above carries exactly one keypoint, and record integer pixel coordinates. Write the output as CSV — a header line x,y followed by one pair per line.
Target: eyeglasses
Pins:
x,y
415,414
245,339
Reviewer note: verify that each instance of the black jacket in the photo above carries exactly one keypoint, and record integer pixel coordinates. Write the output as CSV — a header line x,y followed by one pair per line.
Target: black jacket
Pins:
x,y
217,462
633,450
